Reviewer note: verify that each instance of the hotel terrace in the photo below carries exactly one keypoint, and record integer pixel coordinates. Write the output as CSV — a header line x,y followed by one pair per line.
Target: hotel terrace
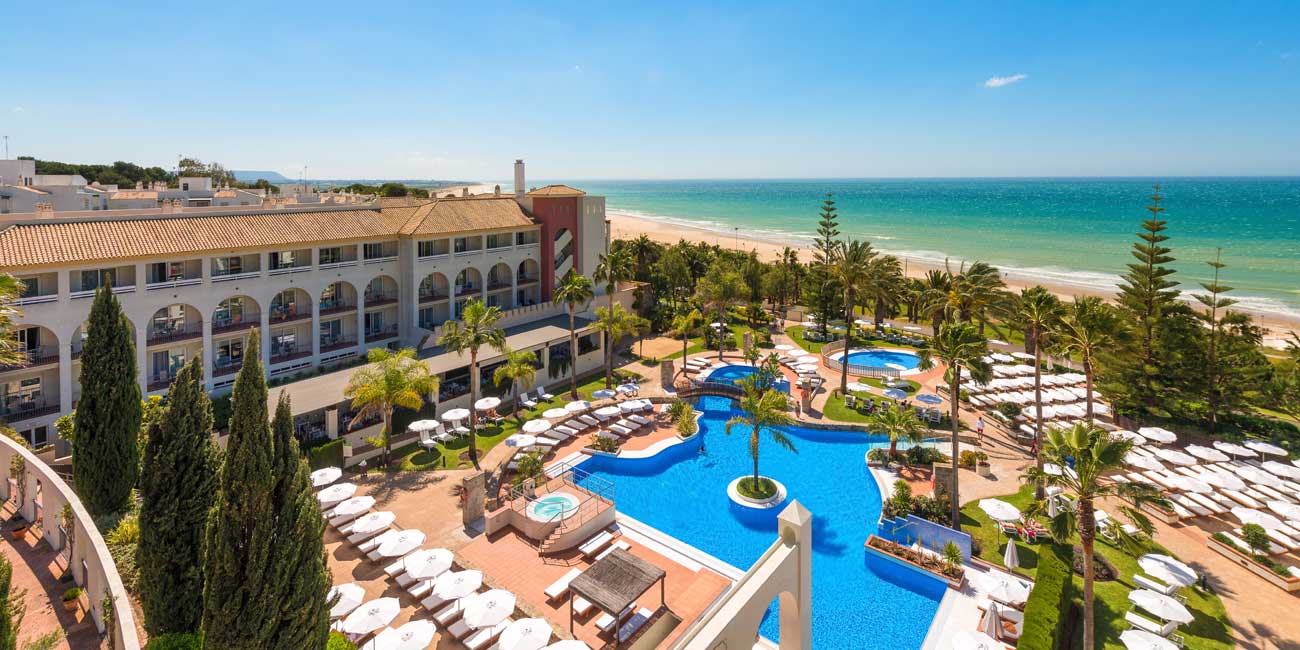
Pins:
x,y
323,283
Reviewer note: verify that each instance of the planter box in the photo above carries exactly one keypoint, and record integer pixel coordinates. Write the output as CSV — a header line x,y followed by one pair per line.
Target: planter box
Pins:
x,y
953,583
984,469
1291,584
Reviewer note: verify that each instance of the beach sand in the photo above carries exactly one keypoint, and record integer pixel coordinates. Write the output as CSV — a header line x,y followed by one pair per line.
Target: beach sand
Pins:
x,y
626,226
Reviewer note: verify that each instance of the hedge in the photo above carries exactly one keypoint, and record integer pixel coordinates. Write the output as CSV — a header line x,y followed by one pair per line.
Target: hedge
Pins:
x,y
329,454
175,641
1048,607
339,642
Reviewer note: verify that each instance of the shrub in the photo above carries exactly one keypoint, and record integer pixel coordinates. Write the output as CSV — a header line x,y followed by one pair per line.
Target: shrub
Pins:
x,y
1009,409
339,642
329,454
1256,538
1102,569
72,594
175,641
970,458
1261,559
1048,607
952,554
922,455
688,426
609,445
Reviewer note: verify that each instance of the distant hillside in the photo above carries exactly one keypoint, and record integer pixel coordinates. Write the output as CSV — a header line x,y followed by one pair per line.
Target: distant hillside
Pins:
x,y
253,176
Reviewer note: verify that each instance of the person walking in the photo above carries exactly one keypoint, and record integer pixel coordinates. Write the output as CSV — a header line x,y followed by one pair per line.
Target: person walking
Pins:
x,y
979,429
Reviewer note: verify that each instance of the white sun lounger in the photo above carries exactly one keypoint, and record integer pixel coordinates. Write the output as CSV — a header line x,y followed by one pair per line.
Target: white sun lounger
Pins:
x,y
528,401
1150,583
451,612
620,544
419,589
632,625
561,586
1147,625
395,569
541,392
1182,500
481,638
1240,498
589,421
433,602
1208,503
374,542
361,537
622,431
606,621
566,430
640,419
596,543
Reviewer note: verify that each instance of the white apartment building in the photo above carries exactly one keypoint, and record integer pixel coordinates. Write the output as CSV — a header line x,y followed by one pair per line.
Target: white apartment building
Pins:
x,y
323,283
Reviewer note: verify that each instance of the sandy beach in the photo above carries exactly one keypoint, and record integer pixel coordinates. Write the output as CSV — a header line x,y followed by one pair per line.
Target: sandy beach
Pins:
x,y
626,226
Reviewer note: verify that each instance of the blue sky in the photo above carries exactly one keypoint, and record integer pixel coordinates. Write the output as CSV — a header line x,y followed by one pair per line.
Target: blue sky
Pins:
x,y
743,90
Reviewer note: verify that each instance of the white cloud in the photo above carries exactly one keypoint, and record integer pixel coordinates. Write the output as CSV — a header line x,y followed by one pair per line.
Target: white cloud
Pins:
x,y
18,109
998,82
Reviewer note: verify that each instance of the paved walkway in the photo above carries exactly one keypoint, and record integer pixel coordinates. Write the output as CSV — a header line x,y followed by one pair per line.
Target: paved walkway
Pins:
x,y
37,568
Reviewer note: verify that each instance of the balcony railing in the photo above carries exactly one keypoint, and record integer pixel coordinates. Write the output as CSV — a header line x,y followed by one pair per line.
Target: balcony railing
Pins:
x,y
381,334
330,344
336,307
288,353
432,296
37,299
380,299
235,276
90,293
467,290
226,367
227,325
297,268
37,356
527,279
160,381
173,283
174,333
288,314
25,409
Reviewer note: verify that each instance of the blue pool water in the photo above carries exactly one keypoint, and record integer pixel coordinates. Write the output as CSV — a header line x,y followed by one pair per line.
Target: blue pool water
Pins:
x,y
884,359
859,600
732,374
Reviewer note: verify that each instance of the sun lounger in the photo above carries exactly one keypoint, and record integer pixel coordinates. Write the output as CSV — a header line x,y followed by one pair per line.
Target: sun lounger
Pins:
x,y
1182,500
620,430
374,542
433,602
337,522
450,613
543,441
1015,618
589,420
1208,503
566,430
541,392
561,586
593,545
620,544
1241,498
395,569
1150,583
581,606
459,629
480,638
633,625
1282,539
361,537
606,621
374,555
1181,512
417,590
1147,625
640,419
527,401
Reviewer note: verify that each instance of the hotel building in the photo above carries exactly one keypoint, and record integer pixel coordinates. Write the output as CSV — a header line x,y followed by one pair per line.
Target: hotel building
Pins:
x,y
322,282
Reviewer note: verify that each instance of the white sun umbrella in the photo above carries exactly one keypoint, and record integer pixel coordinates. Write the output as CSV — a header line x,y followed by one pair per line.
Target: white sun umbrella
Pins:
x,y
1295,461
629,406
1168,569
555,413
608,411
1130,436
1158,434
427,563
487,403
373,521
536,426
402,543
1189,484
1160,605
455,415
1257,517
1256,475
1265,448
457,584
858,387
1011,557
1207,453
1003,587
577,406
350,596
783,347
1143,462
809,358
975,640
336,493
806,367
1174,456
1052,469
415,635
521,440
1234,449
999,510
325,475
525,634
354,506
1286,509
420,426
1143,640
1223,480
489,608
1282,469
992,622
604,393
371,616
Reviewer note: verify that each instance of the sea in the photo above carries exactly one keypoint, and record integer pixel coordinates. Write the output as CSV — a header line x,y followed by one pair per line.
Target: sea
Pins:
x,y
1062,231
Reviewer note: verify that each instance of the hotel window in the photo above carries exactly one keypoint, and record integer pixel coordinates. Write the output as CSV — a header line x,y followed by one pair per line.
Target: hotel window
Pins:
x,y
29,287
461,244
227,265
425,249
230,353
166,271
284,343
229,312
329,298
374,322
331,332
90,280
284,259
21,395
374,251
332,255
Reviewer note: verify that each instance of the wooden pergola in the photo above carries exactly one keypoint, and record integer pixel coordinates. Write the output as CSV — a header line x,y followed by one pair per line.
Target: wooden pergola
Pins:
x,y
613,583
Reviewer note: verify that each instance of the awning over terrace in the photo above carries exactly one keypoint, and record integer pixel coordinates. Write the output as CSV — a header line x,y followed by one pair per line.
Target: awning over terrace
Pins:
x,y
614,582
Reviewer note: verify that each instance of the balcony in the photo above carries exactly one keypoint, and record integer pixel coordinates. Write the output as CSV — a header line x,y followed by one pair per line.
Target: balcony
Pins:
x,y
288,314
330,344
432,296
160,381
90,293
173,283
289,268
37,299
39,356
498,285
381,334
18,410
228,325
336,307
288,353
467,290
173,333
225,367
380,299
226,277
525,280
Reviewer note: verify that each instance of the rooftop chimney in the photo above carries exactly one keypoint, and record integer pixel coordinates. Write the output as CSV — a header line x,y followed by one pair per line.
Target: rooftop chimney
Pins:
x,y
519,179
44,210
464,191
496,191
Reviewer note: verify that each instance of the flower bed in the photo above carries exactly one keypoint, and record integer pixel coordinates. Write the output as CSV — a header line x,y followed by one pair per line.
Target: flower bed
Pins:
x,y
1269,572
924,561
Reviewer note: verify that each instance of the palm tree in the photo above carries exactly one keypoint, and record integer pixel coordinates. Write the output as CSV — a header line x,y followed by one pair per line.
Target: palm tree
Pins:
x,y
520,367
885,286
684,325
1039,312
935,298
898,423
575,289
10,290
476,328
978,289
1088,327
720,290
389,381
612,269
614,323
1095,453
762,409
958,346
642,249
850,267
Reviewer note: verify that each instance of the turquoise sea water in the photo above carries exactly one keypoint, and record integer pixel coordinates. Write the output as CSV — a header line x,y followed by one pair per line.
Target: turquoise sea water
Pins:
x,y
1064,231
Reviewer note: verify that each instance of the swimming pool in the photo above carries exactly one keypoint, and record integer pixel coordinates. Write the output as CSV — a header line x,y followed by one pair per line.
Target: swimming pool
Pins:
x,y
859,599
879,358
733,373
553,507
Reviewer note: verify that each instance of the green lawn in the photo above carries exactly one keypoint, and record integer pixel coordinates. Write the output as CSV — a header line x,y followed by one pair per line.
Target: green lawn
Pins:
x,y
1209,630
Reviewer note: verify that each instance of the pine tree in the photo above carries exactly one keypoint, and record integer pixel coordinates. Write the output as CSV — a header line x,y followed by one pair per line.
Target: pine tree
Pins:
x,y
1230,361
240,610
11,607
822,289
105,457
177,482
298,570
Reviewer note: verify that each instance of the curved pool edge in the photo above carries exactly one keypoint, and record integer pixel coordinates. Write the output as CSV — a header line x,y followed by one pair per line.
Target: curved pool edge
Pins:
x,y
906,372
733,493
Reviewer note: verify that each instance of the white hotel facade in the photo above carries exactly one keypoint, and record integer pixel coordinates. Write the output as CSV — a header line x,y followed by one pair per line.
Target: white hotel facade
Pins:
x,y
322,283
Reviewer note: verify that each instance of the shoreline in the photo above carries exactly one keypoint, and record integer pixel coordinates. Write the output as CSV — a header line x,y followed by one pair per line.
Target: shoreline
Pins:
x,y
630,226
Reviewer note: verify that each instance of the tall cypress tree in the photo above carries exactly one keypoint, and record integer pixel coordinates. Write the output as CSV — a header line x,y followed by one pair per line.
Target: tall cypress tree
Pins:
x,y
298,567
239,607
105,458
822,290
177,482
